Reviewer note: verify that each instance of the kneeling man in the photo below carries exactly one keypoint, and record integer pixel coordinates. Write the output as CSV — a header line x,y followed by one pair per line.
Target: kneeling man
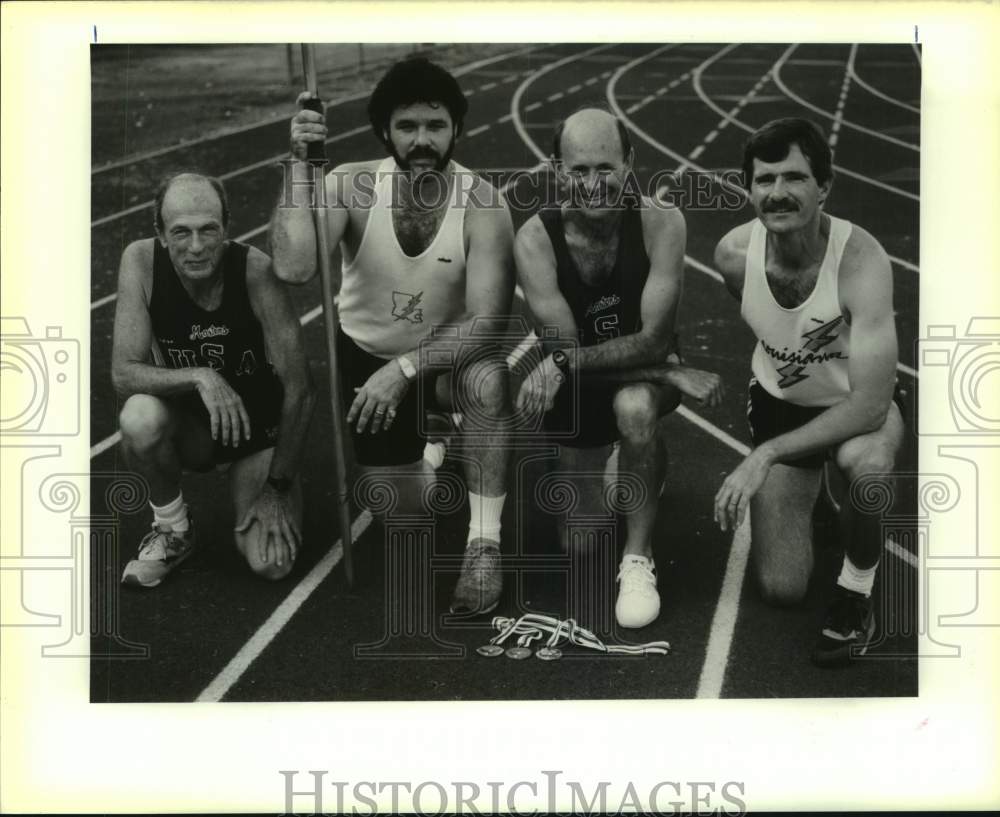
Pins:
x,y
817,292
208,355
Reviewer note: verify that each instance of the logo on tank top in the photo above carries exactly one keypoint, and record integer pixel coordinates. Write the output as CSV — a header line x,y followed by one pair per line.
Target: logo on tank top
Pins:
x,y
213,331
603,303
796,363
404,307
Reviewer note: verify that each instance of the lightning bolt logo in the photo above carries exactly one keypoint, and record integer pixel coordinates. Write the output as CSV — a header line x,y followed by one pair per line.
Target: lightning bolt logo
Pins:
x,y
791,373
404,307
822,335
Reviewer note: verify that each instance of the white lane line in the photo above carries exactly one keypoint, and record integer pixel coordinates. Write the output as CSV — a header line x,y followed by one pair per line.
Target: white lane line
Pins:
x,y
553,97
505,118
822,112
695,153
479,130
534,106
845,85
712,134
590,81
573,88
105,300
839,168
916,51
487,86
270,160
515,100
852,70
333,103
282,614
902,553
720,636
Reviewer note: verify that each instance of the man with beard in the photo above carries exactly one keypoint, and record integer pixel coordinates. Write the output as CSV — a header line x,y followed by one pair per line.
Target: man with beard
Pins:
x,y
605,269
817,291
425,244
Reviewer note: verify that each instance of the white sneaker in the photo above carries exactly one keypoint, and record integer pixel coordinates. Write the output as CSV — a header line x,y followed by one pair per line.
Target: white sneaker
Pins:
x,y
638,602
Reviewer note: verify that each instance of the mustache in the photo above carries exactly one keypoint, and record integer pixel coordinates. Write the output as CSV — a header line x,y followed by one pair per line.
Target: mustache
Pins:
x,y
779,204
423,153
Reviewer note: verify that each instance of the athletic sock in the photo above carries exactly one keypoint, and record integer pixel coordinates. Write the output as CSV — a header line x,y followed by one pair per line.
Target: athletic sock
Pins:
x,y
857,579
173,515
484,516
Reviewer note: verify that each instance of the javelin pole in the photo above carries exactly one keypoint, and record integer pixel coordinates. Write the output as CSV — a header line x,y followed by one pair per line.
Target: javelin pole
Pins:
x,y
317,153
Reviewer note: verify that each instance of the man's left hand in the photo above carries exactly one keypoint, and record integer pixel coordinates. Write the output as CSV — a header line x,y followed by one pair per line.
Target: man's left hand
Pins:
x,y
280,536
733,498
538,391
376,401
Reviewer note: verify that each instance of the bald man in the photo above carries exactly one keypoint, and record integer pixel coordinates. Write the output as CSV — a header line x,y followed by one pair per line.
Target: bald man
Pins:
x,y
602,275
209,358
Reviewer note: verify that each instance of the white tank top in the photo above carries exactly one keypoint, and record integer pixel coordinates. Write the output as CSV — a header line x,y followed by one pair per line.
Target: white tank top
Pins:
x,y
390,301
802,353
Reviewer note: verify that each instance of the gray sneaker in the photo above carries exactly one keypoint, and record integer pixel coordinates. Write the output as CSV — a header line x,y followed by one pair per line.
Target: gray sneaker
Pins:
x,y
479,585
160,551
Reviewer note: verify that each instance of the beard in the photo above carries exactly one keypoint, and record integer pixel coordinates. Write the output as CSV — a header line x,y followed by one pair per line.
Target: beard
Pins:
x,y
440,162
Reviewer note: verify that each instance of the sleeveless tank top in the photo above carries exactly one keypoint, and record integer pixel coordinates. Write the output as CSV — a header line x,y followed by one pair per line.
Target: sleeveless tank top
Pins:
x,y
609,308
390,301
228,339
802,353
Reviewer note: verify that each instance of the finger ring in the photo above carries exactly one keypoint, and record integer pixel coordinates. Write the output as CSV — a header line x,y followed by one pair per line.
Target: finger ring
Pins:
x,y
392,412
380,411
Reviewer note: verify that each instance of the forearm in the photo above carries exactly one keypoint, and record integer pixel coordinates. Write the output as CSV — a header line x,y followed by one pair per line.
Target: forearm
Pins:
x,y
613,356
855,415
661,375
296,412
440,354
145,378
292,232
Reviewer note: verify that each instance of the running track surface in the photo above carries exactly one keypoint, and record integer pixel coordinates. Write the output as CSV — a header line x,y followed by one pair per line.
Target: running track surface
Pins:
x,y
214,632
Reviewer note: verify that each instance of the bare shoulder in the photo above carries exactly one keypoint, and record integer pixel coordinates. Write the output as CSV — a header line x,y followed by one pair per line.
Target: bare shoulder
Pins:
x,y
352,183
864,254
485,205
532,240
136,267
661,221
731,251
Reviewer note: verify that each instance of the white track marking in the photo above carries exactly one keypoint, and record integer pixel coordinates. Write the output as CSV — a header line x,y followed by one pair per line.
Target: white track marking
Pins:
x,y
847,123
554,97
282,614
515,100
333,103
902,553
479,130
731,117
875,91
101,301
916,51
720,636
488,86
277,157
845,85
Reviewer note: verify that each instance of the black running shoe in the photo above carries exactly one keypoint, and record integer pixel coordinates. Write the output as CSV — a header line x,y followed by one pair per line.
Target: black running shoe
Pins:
x,y
847,631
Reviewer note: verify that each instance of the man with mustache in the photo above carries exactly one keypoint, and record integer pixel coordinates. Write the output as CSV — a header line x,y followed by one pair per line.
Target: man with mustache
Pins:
x,y
425,244
602,273
817,291
208,355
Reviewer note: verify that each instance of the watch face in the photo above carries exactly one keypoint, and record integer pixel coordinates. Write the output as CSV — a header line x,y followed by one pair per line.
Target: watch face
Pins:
x,y
559,358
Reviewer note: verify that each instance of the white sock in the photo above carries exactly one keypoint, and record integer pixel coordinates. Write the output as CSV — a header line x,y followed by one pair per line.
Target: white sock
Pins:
x,y
484,516
173,515
854,578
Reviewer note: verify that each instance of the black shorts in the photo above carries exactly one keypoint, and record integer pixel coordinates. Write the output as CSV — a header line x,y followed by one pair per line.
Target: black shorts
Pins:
x,y
768,417
583,416
404,442
262,400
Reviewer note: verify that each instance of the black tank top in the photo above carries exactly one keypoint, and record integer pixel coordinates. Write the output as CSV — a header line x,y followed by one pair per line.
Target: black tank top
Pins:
x,y
610,308
228,339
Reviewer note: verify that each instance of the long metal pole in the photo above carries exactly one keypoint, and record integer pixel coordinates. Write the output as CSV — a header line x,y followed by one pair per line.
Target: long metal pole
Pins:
x,y
317,154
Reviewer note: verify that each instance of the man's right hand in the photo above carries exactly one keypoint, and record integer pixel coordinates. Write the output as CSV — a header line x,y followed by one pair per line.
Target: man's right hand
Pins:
x,y
307,126
705,387
226,411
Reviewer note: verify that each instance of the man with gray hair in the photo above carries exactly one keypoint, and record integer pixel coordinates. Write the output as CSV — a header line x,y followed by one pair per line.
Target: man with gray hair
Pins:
x,y
604,268
209,356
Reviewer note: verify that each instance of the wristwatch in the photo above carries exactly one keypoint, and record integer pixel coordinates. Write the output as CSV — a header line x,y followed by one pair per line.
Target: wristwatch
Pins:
x,y
561,359
409,370
280,484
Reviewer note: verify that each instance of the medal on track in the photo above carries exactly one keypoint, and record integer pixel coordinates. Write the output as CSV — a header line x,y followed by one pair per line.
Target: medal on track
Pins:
x,y
549,654
490,650
518,653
